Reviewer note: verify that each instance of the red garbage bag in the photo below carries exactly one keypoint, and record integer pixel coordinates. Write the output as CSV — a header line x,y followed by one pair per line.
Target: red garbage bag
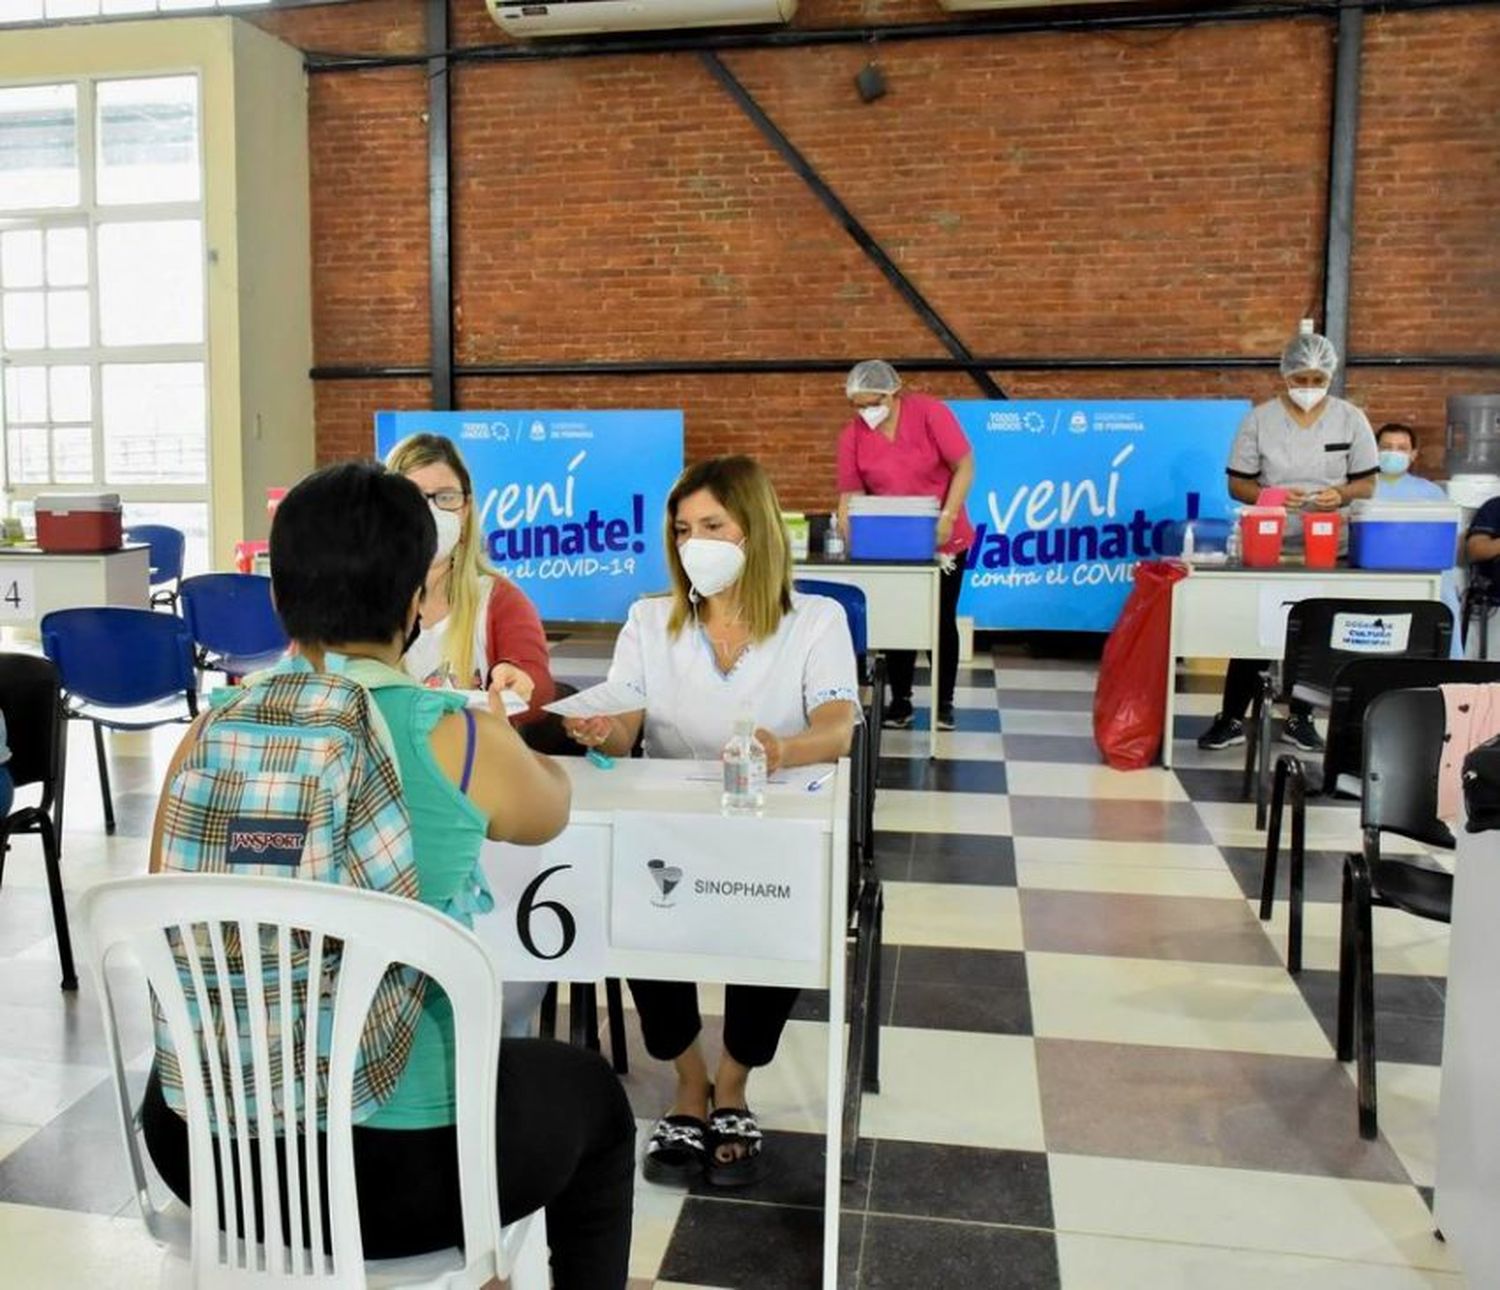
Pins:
x,y
1130,700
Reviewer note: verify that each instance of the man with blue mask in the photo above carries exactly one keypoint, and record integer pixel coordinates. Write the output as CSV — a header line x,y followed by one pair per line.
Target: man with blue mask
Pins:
x,y
1397,445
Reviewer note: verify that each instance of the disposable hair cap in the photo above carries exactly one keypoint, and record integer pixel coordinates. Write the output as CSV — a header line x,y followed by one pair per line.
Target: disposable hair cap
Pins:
x,y
873,376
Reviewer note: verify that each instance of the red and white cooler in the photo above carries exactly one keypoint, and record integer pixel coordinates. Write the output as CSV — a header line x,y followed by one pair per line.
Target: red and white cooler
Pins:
x,y
79,522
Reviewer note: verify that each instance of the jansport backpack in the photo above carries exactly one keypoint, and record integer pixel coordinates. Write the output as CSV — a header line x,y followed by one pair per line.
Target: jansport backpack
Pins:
x,y
293,776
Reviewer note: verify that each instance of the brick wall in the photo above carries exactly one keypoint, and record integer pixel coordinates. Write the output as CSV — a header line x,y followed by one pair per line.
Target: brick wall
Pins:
x,y
1087,194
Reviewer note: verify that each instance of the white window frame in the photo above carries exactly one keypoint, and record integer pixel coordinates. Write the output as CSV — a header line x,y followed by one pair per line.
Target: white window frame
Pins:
x,y
89,214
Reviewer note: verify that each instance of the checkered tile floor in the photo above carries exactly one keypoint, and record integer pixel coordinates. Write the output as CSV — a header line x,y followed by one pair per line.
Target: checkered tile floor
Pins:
x,y
1096,1072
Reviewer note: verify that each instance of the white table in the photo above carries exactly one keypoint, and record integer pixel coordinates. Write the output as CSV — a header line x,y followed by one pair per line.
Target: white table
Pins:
x,y
1467,1197
33,583
607,887
902,608
1241,613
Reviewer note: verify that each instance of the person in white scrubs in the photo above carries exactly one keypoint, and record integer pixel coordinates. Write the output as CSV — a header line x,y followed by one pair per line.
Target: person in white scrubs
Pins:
x,y
732,638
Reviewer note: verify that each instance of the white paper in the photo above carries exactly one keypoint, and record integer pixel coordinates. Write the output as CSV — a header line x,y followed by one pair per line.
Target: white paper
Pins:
x,y
512,701
17,592
1371,633
751,888
603,700
564,917
1277,596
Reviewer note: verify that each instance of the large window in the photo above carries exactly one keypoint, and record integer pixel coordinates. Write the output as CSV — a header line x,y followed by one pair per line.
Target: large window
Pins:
x,y
102,328
12,11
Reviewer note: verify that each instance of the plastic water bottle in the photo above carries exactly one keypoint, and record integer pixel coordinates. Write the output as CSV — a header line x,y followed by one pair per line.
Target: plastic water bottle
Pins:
x,y
1188,543
1232,542
833,540
744,763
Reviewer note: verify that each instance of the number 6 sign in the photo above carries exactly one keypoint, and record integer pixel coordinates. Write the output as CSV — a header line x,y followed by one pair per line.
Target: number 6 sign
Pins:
x,y
548,920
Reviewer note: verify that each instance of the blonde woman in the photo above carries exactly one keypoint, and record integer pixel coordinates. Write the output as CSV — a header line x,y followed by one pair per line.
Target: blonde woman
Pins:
x,y
479,630
732,636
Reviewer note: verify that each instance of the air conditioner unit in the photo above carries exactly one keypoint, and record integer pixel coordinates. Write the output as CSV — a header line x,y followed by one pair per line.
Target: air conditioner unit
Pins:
x,y
597,17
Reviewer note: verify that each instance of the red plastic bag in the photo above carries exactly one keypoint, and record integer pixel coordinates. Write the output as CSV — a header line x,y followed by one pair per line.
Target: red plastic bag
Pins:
x,y
1130,700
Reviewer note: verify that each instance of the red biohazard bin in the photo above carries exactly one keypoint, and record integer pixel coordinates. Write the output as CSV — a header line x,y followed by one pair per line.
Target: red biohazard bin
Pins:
x,y
1320,537
1261,531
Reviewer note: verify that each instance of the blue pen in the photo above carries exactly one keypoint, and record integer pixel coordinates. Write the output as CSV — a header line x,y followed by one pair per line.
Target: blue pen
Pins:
x,y
818,783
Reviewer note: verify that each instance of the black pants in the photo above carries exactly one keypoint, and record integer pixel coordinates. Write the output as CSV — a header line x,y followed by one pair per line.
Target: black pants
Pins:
x,y
754,1017
1240,684
901,664
566,1144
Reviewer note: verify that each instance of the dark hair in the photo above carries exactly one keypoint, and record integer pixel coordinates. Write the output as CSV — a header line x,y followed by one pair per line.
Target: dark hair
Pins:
x,y
1396,427
350,546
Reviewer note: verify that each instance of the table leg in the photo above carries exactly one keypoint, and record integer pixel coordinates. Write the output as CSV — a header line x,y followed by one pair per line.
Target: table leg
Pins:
x,y
838,1005
1169,710
932,653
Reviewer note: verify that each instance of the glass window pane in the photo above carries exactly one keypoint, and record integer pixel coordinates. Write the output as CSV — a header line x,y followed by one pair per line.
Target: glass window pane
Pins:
x,y
38,146
155,423
72,8
67,319
151,283
72,400
67,257
148,140
20,10
72,455
23,320
28,456
128,6
21,258
190,517
25,394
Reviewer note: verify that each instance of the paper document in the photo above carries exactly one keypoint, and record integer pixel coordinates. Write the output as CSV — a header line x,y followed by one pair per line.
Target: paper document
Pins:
x,y
604,700
513,702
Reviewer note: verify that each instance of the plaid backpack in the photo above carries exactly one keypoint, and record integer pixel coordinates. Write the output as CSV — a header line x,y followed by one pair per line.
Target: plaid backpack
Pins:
x,y
294,776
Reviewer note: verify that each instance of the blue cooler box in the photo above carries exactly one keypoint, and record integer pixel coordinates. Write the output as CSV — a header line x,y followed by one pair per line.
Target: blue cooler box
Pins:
x,y
1413,537
892,528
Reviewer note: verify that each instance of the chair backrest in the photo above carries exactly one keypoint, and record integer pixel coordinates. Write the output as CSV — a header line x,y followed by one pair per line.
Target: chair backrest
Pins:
x,y
120,657
1356,686
232,613
1311,656
852,599
167,546
31,699
146,916
1403,748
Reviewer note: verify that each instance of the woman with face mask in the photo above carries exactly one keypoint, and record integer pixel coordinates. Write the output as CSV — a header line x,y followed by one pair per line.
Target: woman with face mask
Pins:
x,y
904,444
732,638
1321,451
479,631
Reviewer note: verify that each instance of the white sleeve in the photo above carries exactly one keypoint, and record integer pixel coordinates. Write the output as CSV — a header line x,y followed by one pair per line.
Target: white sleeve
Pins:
x,y
830,672
628,667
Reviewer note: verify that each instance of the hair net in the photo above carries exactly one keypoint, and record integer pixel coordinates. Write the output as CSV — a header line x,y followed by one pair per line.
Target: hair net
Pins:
x,y
873,376
1309,352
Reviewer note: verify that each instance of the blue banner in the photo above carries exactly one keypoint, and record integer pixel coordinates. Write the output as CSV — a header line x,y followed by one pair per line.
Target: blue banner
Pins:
x,y
570,503
1069,496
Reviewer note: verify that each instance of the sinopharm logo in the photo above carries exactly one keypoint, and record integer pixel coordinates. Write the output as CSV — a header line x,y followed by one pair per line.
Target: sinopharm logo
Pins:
x,y
666,878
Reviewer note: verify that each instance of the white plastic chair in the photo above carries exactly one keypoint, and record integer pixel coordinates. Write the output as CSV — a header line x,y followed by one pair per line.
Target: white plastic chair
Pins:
x,y
376,930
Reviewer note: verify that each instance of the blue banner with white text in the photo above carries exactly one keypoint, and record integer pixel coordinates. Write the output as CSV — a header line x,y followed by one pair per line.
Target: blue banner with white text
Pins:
x,y
570,504
1069,495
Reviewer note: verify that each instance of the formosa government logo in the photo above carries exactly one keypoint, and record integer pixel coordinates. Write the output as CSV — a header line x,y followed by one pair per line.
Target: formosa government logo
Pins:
x,y
666,876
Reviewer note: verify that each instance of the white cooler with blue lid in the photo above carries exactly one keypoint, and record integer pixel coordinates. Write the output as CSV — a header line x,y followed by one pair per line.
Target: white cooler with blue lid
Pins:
x,y
892,528
1412,537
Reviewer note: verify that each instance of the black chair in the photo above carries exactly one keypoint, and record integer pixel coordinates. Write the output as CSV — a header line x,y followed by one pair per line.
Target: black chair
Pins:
x,y
1404,736
1310,660
31,699
1481,598
1355,687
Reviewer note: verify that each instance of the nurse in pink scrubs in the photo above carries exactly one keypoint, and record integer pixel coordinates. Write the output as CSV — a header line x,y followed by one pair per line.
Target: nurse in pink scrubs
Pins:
x,y
904,444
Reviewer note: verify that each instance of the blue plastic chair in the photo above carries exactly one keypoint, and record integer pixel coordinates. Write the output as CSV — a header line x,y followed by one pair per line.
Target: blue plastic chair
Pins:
x,y
121,669
233,622
167,546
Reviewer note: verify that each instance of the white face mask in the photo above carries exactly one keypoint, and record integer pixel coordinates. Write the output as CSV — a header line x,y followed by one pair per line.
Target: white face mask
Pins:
x,y
449,525
711,564
875,416
1308,399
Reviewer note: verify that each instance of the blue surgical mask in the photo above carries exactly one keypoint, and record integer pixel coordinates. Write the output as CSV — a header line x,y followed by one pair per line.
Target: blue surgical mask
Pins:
x,y
1394,463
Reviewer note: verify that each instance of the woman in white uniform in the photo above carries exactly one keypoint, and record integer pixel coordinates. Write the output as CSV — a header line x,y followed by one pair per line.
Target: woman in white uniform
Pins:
x,y
731,638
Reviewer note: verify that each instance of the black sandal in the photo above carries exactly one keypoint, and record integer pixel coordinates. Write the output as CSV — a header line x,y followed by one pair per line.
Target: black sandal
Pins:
x,y
677,1151
734,1127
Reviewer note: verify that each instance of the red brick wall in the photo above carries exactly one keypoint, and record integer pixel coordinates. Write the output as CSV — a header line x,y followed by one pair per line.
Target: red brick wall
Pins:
x,y
1085,194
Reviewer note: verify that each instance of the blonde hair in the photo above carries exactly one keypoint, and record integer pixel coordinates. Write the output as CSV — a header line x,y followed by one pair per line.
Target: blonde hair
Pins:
x,y
464,588
743,489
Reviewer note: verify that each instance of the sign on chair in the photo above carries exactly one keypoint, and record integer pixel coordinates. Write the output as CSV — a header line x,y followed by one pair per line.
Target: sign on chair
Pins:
x,y
1371,633
17,593
757,891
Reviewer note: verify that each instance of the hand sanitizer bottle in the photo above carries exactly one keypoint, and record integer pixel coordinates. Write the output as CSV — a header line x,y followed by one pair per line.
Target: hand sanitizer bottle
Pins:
x,y
744,763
